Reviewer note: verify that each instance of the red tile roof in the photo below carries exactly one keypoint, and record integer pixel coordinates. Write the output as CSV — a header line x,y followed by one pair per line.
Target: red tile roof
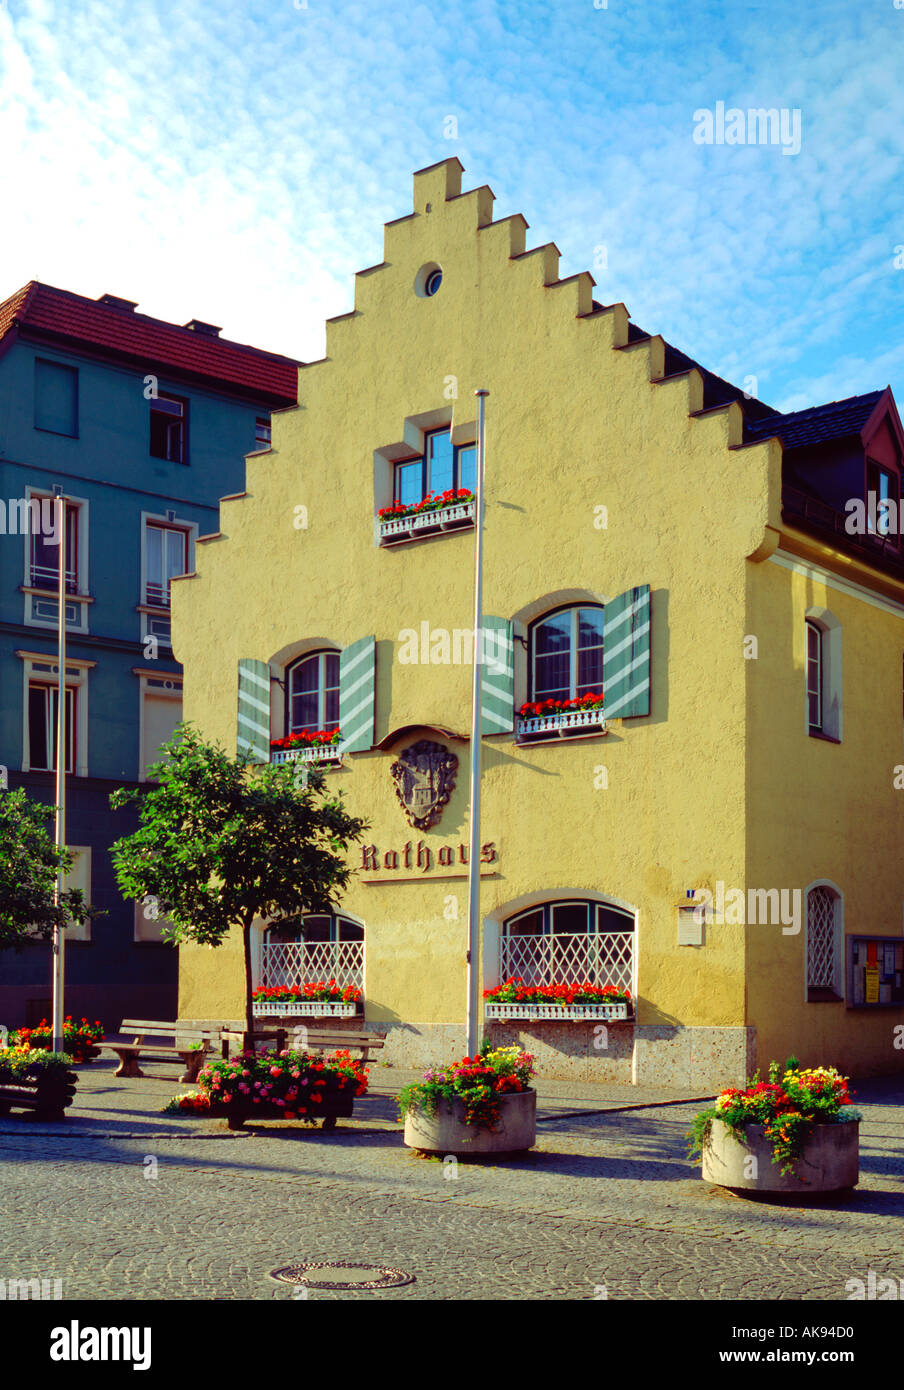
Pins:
x,y
59,315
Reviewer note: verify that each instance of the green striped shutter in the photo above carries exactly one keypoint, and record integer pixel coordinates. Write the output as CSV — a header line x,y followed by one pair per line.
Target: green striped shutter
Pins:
x,y
357,692
626,654
253,736
497,677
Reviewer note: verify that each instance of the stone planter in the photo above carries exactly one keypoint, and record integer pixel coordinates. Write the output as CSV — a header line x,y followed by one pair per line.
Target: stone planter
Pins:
x,y
828,1163
338,1103
446,1131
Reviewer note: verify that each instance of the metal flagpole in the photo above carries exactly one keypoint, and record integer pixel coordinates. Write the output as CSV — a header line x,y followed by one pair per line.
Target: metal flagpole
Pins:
x,y
59,934
474,813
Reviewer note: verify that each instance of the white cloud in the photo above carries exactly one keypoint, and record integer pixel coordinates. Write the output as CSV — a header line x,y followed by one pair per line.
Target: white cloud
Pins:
x,y
237,163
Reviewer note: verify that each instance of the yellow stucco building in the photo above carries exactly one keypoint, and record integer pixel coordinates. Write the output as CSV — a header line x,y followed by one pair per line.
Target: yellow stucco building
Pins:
x,y
723,836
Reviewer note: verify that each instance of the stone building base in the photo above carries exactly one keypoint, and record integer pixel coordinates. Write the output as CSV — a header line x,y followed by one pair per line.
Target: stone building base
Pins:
x,y
703,1060
706,1059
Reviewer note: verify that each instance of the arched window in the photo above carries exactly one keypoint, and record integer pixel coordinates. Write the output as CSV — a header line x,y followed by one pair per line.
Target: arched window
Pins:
x,y
824,940
327,946
566,654
569,942
312,693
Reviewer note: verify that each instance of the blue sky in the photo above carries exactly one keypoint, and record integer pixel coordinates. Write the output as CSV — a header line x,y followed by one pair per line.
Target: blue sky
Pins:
x,y
236,161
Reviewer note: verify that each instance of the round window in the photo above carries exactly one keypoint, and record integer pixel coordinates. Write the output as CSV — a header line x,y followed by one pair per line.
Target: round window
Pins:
x,y
428,280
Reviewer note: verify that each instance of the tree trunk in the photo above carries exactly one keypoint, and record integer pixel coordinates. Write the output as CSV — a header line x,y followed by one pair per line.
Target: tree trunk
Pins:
x,y
249,1018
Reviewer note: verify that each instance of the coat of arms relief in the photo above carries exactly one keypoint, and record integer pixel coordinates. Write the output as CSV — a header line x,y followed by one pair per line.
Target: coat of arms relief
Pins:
x,y
424,777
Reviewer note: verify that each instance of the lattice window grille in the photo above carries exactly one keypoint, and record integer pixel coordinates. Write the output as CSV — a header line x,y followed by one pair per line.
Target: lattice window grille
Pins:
x,y
294,963
821,956
600,958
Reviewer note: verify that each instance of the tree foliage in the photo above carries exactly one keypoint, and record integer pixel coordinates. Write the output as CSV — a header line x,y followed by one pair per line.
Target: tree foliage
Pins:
x,y
220,844
29,864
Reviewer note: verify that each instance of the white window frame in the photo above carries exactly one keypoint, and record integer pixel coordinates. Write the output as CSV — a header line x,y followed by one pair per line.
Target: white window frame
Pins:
x,y
35,599
42,668
573,613
838,963
494,923
159,923
182,416
150,614
165,684
79,877
322,687
831,671
261,927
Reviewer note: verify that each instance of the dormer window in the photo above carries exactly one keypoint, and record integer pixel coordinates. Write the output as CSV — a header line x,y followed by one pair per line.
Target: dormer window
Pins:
x,y
882,497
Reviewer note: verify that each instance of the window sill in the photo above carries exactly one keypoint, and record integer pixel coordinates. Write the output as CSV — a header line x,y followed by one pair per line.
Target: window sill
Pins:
x,y
54,594
823,738
51,772
60,434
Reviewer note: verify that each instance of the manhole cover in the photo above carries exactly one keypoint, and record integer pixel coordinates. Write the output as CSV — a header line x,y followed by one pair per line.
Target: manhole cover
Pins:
x,y
341,1274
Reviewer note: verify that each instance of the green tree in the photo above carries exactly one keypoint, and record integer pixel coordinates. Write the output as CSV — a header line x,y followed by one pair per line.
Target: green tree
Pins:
x,y
29,864
220,843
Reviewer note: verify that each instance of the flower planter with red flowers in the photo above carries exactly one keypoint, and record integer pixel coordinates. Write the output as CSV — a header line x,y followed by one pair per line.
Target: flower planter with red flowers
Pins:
x,y
578,718
480,1105
81,1041
574,1003
320,747
443,511
277,1086
322,1000
795,1133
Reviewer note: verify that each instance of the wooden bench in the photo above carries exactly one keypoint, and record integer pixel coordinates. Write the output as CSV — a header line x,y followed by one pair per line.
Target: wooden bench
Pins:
x,y
179,1038
318,1040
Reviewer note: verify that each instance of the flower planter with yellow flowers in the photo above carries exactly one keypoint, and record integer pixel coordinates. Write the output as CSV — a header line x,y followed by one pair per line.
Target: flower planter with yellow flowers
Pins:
x,y
795,1133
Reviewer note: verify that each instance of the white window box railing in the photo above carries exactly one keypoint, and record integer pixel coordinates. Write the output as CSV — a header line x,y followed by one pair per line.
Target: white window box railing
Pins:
x,y
311,1008
314,753
569,723
560,1013
404,528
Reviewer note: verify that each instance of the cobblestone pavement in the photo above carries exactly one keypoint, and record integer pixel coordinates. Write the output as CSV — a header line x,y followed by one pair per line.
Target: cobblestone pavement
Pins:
x,y
125,1203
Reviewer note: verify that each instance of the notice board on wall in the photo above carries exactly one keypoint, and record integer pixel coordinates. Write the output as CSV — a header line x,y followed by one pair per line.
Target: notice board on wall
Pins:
x,y
875,971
